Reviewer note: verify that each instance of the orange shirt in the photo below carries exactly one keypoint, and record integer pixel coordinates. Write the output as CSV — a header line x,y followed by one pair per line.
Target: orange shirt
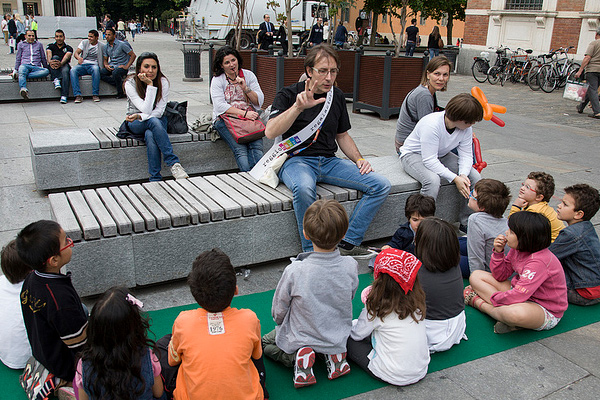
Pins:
x,y
216,366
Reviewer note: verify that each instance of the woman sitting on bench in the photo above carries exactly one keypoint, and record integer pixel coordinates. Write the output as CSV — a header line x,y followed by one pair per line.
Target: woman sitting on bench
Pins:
x,y
147,95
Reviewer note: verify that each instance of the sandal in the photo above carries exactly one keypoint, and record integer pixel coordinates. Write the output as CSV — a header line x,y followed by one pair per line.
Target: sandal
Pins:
x,y
471,297
501,327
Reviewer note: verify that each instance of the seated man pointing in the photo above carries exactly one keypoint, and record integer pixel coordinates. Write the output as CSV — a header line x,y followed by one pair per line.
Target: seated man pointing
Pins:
x,y
297,107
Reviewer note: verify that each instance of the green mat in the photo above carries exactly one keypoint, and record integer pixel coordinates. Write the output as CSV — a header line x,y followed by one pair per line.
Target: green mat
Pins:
x,y
482,342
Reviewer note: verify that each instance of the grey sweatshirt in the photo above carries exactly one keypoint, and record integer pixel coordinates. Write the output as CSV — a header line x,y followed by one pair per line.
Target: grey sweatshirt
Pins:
x,y
312,305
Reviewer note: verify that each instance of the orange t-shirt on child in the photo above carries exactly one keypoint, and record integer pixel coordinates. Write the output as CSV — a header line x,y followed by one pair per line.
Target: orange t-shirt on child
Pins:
x,y
218,365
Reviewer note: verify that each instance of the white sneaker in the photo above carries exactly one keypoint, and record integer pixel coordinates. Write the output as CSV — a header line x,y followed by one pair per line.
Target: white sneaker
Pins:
x,y
178,172
25,93
57,83
303,372
63,99
336,365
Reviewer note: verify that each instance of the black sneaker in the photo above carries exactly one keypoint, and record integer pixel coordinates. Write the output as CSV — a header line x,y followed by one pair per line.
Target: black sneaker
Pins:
x,y
357,252
580,108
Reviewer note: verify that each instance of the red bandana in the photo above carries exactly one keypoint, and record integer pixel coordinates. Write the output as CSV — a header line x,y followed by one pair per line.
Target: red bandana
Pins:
x,y
400,265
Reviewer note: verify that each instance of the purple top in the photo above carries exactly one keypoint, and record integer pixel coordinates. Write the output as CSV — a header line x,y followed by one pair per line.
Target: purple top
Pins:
x,y
31,53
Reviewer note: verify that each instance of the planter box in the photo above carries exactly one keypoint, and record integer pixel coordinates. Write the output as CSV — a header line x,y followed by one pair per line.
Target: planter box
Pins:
x,y
374,88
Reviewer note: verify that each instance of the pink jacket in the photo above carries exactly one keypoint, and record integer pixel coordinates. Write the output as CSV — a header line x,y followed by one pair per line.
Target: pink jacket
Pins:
x,y
540,279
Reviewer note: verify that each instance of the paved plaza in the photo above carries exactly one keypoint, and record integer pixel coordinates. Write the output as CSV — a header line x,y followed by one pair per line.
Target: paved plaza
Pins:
x,y
543,132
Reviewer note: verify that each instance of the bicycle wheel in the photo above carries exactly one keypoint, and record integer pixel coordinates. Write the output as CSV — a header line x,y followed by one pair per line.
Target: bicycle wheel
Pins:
x,y
479,69
533,78
494,75
547,78
572,70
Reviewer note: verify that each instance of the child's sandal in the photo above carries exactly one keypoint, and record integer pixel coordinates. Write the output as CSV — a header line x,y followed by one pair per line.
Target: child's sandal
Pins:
x,y
471,297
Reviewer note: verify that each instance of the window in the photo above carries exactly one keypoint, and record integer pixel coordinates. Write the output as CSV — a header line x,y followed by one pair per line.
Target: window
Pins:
x,y
524,4
345,14
422,20
6,8
384,19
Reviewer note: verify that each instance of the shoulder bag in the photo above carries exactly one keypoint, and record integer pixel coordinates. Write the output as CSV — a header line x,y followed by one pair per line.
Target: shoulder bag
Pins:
x,y
244,130
176,117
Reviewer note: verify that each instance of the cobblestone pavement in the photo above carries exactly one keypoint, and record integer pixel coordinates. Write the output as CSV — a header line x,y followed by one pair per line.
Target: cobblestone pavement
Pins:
x,y
543,132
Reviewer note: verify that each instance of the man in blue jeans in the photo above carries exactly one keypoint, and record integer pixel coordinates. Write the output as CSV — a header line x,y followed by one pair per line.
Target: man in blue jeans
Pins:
x,y
313,161
118,57
30,62
89,61
59,56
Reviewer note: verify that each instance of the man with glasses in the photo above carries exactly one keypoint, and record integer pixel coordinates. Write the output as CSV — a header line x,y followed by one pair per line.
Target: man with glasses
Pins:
x,y
298,106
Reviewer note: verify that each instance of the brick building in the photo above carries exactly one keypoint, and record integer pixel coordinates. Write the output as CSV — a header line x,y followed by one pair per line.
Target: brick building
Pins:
x,y
540,25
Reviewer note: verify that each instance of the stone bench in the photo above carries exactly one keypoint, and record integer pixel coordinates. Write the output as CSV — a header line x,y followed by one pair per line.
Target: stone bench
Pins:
x,y
76,158
142,234
43,89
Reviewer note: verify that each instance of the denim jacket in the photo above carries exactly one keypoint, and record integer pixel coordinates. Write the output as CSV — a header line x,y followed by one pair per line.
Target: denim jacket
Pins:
x,y
578,249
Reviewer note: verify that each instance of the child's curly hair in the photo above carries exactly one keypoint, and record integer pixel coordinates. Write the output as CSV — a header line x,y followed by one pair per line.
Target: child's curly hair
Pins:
x,y
544,182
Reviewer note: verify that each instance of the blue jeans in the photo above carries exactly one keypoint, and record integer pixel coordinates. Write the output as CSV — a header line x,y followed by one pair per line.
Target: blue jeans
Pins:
x,y
85,69
247,154
154,131
410,48
464,257
301,174
63,73
433,53
31,72
430,181
114,77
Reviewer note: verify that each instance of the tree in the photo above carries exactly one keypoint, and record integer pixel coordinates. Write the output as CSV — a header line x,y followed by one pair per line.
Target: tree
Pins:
x,y
438,9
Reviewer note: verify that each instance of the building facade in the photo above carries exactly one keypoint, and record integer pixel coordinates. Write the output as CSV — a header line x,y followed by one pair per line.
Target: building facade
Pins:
x,y
540,25
47,8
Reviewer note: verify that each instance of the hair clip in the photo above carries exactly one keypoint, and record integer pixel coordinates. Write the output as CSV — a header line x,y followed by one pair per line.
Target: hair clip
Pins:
x,y
133,301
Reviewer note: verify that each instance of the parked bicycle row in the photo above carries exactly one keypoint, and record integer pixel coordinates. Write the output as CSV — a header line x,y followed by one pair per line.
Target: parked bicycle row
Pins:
x,y
545,71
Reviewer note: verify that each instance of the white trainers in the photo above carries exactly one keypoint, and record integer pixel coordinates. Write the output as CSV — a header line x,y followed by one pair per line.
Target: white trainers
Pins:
x,y
57,83
63,99
178,172
303,373
25,94
336,365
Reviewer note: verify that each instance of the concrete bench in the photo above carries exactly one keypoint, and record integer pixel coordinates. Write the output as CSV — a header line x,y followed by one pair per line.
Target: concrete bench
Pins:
x,y
142,234
43,89
96,157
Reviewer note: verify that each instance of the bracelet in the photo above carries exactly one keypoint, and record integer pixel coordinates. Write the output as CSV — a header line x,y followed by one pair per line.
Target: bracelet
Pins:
x,y
245,113
360,159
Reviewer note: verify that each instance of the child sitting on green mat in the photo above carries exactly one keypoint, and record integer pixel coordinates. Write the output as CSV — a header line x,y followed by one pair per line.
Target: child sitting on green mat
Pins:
x,y
312,305
577,246
217,346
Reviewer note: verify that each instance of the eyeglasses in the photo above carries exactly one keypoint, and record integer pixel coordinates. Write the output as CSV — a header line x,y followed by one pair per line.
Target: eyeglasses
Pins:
x,y
528,187
69,244
471,195
325,71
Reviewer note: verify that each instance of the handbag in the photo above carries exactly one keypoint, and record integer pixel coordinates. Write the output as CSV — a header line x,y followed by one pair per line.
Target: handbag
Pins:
x,y
575,90
440,43
244,130
176,117
37,381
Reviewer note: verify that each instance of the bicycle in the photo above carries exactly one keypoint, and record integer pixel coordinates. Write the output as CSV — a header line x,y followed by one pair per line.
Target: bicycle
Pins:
x,y
496,72
555,73
532,79
481,66
518,67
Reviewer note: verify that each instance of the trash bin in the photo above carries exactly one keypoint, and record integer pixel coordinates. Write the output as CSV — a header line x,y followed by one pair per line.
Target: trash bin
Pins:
x,y
191,62
451,53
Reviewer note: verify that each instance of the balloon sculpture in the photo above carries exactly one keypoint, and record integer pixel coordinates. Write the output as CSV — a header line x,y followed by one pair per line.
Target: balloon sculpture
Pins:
x,y
488,115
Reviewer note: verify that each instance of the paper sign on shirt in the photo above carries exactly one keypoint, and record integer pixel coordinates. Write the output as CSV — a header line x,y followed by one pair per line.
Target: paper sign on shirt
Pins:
x,y
216,326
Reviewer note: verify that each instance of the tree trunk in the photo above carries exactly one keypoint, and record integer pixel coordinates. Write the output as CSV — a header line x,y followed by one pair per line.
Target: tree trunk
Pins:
x,y
449,28
373,30
395,41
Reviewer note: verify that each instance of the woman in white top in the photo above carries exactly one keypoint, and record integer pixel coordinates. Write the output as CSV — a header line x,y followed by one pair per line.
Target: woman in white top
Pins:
x,y
236,91
147,94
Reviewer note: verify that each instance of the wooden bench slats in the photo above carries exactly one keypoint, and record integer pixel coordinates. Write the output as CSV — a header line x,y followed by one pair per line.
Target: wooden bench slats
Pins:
x,y
85,216
193,214
248,206
163,219
63,214
275,204
107,224
262,206
114,141
203,212
340,194
231,208
134,216
217,213
104,140
281,188
140,207
116,211
286,200
323,193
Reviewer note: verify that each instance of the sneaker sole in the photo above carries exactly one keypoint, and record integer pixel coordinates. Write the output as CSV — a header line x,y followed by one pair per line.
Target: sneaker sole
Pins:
x,y
339,372
363,256
305,359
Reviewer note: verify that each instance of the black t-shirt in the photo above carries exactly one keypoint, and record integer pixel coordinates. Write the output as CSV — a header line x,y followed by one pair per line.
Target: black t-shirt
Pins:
x,y
411,33
59,51
110,24
52,312
443,292
337,120
433,42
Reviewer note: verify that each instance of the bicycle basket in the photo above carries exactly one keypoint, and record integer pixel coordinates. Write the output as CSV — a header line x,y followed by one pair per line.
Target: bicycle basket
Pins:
x,y
485,54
